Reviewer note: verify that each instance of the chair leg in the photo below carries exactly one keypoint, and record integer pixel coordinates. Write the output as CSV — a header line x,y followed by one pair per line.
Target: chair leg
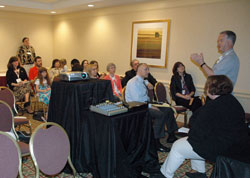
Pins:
x,y
185,119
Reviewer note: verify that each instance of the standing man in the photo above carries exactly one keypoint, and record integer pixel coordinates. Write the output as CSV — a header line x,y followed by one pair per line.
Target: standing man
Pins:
x,y
34,70
136,90
150,80
228,64
27,54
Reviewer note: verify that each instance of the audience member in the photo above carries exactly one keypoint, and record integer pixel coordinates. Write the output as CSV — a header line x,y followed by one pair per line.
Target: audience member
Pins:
x,y
27,54
17,81
228,64
136,90
43,85
182,88
63,65
115,80
77,67
73,62
55,69
34,70
84,65
217,128
92,71
101,76
150,80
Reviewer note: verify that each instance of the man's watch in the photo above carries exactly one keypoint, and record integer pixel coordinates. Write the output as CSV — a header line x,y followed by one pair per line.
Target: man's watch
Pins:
x,y
203,64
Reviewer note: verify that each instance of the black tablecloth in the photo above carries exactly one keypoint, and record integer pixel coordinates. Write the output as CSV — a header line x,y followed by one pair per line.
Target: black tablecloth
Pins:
x,y
119,146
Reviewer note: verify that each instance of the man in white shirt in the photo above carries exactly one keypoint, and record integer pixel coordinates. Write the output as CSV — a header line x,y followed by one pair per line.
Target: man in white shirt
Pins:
x,y
136,90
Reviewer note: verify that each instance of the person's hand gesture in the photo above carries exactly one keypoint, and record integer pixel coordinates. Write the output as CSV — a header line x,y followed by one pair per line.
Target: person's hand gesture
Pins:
x,y
198,58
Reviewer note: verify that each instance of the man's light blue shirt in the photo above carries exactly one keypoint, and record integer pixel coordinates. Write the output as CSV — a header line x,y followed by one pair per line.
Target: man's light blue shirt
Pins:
x,y
136,90
228,65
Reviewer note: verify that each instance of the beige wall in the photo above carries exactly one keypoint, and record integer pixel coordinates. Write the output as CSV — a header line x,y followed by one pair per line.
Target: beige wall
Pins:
x,y
15,26
105,35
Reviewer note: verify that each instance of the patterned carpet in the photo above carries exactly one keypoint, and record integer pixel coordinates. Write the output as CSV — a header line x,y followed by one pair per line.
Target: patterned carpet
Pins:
x,y
29,170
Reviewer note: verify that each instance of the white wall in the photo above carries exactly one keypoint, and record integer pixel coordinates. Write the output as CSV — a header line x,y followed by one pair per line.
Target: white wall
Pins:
x,y
15,26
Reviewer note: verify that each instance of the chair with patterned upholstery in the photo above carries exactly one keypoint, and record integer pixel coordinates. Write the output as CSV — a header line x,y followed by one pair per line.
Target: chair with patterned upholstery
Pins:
x,y
10,154
161,96
7,95
50,149
7,125
151,95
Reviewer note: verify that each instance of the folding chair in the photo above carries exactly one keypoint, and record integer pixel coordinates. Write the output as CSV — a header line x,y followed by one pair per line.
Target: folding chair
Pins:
x,y
7,125
10,154
50,149
7,95
161,96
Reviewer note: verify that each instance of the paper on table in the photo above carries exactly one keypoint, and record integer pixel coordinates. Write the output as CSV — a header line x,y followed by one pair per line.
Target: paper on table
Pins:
x,y
183,130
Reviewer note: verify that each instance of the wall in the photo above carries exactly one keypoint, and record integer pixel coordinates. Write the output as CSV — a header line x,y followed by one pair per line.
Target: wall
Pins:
x,y
15,26
105,35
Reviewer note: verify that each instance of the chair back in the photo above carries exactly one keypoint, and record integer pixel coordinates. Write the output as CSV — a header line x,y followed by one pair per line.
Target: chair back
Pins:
x,y
151,95
160,92
50,149
10,154
6,117
123,94
7,95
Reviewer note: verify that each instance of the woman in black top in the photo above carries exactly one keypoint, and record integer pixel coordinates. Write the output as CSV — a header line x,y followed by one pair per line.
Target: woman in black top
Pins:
x,y
182,88
17,81
218,128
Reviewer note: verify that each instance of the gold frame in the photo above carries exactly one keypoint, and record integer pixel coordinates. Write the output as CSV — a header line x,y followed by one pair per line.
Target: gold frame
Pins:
x,y
167,40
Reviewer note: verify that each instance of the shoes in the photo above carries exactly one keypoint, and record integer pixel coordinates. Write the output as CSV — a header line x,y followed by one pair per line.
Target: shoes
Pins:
x,y
171,138
157,175
162,148
196,175
29,110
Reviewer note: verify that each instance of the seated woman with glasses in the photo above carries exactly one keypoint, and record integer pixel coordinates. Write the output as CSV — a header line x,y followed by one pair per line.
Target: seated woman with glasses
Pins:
x,y
115,80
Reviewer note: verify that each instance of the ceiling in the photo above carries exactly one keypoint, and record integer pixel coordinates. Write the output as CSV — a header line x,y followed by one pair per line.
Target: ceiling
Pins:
x,y
60,6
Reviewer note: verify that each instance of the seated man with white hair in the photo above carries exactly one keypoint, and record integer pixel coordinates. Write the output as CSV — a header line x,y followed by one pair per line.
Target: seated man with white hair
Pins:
x,y
136,90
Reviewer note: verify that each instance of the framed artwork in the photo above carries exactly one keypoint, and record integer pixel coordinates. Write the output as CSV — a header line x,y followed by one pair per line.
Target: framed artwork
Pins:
x,y
149,42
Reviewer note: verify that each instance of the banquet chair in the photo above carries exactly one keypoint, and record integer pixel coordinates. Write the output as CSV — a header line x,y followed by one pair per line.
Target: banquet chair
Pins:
x,y
161,96
10,154
7,125
50,149
151,95
123,94
7,95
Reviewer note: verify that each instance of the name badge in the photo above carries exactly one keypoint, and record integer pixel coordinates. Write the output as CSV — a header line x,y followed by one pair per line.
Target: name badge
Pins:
x,y
183,92
29,53
18,80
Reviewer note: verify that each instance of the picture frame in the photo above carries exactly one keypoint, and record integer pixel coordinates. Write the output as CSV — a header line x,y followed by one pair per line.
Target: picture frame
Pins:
x,y
150,41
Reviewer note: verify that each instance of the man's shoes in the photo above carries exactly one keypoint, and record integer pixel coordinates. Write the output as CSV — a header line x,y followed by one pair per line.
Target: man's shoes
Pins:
x,y
157,175
196,175
162,148
171,138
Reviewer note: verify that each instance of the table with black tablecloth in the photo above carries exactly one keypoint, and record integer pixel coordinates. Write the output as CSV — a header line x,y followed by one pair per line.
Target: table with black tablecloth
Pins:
x,y
119,146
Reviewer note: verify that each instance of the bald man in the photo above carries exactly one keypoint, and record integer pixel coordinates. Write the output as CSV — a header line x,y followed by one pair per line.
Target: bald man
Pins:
x,y
136,90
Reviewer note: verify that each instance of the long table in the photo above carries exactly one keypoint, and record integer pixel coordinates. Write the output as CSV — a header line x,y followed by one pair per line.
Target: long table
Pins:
x,y
109,147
